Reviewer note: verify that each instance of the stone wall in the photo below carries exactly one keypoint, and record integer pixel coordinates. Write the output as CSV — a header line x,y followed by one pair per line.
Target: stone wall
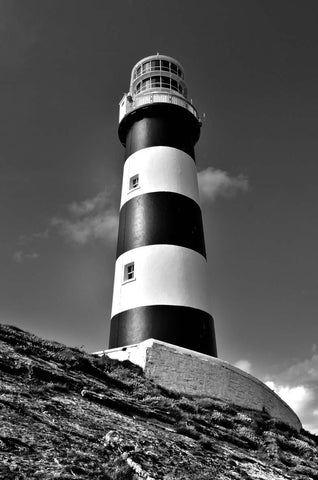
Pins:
x,y
194,373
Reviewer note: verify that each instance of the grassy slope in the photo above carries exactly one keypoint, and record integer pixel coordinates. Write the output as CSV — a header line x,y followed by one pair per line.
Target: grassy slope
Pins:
x,y
68,415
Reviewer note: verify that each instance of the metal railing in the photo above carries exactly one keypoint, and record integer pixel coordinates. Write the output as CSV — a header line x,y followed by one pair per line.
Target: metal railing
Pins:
x,y
145,69
130,103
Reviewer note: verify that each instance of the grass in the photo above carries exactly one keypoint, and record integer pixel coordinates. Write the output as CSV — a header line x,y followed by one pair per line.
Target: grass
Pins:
x,y
58,405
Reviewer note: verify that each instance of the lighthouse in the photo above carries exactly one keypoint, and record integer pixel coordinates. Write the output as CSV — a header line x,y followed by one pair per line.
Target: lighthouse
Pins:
x,y
160,283
161,317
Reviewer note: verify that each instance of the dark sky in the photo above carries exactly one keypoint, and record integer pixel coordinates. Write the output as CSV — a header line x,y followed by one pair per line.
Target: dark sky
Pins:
x,y
251,69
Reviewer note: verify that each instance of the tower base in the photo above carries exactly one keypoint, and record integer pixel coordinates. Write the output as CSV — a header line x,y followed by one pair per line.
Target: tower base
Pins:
x,y
193,373
190,327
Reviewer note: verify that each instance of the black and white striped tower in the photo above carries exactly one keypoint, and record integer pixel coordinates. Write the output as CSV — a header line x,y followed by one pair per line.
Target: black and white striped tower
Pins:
x,y
160,285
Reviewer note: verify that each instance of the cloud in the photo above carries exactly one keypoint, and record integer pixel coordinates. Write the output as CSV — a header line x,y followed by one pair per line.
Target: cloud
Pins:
x,y
244,365
19,256
215,183
25,239
90,205
92,219
95,227
298,398
298,387
305,371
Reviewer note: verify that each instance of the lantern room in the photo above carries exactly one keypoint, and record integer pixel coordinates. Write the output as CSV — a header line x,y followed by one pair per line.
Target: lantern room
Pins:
x,y
158,72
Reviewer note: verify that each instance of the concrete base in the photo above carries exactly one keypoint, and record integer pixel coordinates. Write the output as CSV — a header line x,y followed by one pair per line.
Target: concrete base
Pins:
x,y
190,372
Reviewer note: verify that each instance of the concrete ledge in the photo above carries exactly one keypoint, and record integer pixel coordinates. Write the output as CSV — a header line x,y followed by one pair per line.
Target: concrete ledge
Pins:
x,y
194,373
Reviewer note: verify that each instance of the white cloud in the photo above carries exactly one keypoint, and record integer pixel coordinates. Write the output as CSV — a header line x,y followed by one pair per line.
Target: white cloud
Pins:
x,y
244,365
90,205
298,398
101,226
214,183
19,256
298,387
92,219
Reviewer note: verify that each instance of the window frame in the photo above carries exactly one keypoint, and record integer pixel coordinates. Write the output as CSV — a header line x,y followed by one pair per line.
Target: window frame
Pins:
x,y
161,82
156,65
133,185
129,272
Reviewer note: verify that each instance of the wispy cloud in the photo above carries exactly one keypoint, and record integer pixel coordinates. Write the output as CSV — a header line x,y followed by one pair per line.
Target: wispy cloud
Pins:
x,y
215,183
298,386
25,239
91,219
94,218
95,227
19,256
90,205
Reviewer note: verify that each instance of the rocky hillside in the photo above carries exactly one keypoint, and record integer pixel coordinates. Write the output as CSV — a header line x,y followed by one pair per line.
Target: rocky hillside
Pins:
x,y
69,415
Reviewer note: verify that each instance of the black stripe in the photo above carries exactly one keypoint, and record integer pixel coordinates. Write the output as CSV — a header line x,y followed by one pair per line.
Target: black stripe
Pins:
x,y
183,326
159,125
160,218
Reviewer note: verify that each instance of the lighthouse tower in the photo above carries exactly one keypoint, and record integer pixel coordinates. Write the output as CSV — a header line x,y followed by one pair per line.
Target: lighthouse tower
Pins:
x,y
160,284
161,318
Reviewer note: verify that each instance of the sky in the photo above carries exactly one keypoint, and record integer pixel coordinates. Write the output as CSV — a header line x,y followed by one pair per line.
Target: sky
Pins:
x,y
252,73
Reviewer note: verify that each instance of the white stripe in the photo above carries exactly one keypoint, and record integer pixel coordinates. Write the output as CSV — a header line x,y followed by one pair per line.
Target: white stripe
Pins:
x,y
160,169
164,275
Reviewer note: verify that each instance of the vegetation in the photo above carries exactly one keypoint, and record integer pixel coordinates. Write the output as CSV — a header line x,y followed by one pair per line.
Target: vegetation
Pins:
x,y
69,415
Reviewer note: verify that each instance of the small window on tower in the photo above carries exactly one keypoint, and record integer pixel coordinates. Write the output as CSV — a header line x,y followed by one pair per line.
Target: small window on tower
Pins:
x,y
134,182
129,272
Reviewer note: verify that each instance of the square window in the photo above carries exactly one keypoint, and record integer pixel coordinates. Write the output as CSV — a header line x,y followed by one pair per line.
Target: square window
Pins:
x,y
134,182
129,271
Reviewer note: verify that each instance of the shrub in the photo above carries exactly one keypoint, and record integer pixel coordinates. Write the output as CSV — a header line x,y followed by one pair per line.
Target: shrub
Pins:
x,y
223,420
119,470
207,403
304,470
187,430
164,405
279,426
247,435
187,405
288,460
294,445
175,412
226,407
244,419
157,401
206,443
